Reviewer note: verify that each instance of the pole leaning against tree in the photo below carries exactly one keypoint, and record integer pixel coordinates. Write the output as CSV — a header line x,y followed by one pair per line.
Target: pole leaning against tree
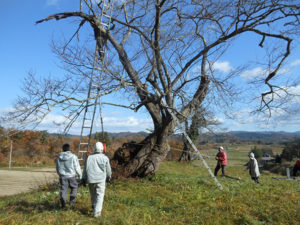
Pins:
x,y
190,141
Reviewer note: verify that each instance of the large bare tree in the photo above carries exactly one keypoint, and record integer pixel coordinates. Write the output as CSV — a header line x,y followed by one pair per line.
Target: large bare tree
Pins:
x,y
166,49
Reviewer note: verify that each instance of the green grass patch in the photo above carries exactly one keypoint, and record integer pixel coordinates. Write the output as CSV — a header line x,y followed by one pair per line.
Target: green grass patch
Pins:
x,y
180,193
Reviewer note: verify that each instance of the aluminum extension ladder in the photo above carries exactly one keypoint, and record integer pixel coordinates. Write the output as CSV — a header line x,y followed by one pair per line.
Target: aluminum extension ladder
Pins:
x,y
93,97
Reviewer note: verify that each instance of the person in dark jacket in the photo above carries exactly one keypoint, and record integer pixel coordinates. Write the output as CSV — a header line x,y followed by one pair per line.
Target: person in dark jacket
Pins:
x,y
67,167
221,157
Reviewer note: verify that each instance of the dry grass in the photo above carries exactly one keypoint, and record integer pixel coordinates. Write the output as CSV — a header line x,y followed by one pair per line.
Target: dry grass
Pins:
x,y
180,193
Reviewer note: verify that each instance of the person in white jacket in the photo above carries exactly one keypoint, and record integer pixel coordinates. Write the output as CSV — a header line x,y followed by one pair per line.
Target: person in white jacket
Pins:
x,y
253,168
96,170
67,167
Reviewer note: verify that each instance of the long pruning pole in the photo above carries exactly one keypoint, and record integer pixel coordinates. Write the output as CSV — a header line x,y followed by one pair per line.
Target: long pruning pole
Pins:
x,y
190,142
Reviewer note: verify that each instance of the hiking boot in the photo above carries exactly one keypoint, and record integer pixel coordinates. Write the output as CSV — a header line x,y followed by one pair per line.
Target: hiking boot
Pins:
x,y
98,214
62,204
72,201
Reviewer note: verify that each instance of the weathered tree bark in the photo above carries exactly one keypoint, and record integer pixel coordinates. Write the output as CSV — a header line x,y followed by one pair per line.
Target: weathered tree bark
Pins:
x,y
143,159
186,154
193,132
201,119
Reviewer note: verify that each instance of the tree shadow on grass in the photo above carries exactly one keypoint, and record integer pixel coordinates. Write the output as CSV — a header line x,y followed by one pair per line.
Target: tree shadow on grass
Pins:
x,y
27,207
85,211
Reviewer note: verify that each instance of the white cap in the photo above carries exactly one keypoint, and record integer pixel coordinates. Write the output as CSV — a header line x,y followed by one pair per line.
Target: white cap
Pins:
x,y
221,148
98,147
251,155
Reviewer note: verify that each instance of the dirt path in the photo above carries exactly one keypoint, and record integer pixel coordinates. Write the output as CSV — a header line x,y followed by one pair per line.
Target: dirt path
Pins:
x,y
15,182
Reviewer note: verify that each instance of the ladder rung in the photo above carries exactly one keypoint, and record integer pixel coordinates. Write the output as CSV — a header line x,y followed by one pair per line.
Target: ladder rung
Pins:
x,y
86,126
82,151
104,24
83,143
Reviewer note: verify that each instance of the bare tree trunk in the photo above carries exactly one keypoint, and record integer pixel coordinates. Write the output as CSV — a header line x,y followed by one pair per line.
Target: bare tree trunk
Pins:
x,y
186,154
193,133
142,159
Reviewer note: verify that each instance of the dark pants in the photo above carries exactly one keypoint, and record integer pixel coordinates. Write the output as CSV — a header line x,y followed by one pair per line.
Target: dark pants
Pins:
x,y
255,179
218,168
65,183
295,169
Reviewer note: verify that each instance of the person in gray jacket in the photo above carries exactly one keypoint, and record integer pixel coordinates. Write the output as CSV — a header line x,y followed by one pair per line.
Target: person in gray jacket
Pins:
x,y
96,170
67,166
253,168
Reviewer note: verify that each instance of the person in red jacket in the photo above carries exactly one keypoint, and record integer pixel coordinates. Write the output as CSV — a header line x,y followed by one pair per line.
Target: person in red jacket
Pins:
x,y
221,157
296,168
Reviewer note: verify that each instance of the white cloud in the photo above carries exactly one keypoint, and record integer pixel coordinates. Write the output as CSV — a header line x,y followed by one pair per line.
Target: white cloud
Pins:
x,y
283,71
218,119
110,123
291,95
260,73
131,123
52,118
280,120
257,72
295,63
113,121
51,2
222,66
295,90
114,2
5,110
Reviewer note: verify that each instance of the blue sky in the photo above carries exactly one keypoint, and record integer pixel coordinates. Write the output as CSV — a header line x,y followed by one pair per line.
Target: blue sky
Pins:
x,y
26,47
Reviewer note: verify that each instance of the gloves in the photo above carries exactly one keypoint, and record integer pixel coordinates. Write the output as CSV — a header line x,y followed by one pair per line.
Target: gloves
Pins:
x,y
82,182
108,179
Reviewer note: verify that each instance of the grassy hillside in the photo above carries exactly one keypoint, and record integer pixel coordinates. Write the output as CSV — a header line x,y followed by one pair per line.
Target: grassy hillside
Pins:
x,y
180,193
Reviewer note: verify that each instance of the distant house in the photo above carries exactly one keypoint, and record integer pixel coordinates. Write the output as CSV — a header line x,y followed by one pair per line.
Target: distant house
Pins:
x,y
266,158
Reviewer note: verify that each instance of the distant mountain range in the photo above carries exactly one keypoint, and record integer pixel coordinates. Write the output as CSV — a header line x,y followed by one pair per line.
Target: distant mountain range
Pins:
x,y
266,136
128,134
296,133
232,136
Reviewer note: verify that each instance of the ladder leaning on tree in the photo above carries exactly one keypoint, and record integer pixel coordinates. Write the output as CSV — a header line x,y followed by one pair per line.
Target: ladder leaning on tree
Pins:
x,y
93,95
164,104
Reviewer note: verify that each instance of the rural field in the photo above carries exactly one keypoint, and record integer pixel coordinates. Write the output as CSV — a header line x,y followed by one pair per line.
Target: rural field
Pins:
x,y
180,193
